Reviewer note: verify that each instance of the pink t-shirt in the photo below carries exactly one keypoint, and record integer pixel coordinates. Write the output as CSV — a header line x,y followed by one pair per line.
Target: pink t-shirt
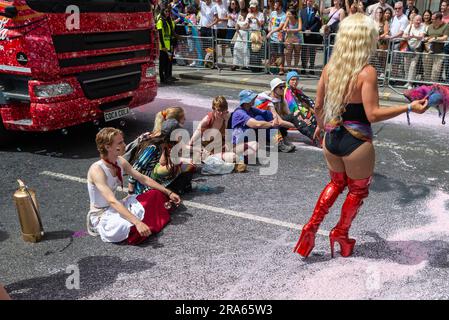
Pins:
x,y
446,19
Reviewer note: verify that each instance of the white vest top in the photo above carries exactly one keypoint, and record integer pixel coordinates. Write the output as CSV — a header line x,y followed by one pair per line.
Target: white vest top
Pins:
x,y
96,198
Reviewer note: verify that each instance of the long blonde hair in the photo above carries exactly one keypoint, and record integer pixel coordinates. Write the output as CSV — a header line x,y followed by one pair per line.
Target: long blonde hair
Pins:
x,y
169,113
356,41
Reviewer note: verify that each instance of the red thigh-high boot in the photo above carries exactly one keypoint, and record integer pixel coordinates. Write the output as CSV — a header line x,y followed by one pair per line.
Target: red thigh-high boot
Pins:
x,y
327,198
358,190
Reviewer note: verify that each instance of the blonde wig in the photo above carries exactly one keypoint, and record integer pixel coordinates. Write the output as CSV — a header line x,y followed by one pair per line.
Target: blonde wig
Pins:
x,y
356,41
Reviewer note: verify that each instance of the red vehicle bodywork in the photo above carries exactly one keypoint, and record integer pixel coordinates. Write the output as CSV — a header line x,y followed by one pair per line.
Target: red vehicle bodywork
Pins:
x,y
105,62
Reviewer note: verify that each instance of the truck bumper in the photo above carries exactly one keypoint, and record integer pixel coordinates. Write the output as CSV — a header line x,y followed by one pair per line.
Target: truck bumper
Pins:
x,y
63,114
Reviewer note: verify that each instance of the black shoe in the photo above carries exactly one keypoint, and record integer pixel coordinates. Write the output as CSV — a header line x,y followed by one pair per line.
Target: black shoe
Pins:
x,y
303,71
173,79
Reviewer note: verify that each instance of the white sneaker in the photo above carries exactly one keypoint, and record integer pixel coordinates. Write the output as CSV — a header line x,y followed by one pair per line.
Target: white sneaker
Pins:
x,y
193,64
409,86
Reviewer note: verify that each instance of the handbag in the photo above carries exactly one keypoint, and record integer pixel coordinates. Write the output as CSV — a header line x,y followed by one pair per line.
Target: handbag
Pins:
x,y
325,29
403,46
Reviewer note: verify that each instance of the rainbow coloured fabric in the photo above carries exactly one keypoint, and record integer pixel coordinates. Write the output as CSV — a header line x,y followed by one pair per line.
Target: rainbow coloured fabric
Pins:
x,y
437,95
357,129
294,103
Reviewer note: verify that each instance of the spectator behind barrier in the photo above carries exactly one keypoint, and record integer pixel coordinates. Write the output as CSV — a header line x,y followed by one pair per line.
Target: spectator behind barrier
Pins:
x,y
444,9
427,17
414,34
388,16
371,10
437,33
311,22
240,42
410,6
293,38
275,36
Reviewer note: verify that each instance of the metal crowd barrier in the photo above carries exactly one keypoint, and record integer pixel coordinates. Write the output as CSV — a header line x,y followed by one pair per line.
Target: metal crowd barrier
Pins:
x,y
240,51
301,52
379,60
420,66
195,50
310,55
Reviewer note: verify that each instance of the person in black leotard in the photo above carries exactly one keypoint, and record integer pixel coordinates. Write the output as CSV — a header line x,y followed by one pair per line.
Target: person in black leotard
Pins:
x,y
347,103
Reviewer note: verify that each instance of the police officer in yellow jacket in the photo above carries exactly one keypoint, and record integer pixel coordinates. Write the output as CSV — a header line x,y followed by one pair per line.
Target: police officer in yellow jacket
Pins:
x,y
166,29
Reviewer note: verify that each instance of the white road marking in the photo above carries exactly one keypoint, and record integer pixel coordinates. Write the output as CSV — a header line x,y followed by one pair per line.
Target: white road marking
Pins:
x,y
401,160
202,206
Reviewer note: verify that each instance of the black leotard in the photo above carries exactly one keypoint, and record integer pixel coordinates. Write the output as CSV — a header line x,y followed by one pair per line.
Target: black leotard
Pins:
x,y
340,141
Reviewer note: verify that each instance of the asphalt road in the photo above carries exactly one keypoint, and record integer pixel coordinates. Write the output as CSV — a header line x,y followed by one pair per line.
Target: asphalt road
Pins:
x,y
235,242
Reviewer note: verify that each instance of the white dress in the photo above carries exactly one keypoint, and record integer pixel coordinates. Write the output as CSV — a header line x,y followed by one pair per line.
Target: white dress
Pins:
x,y
106,221
241,51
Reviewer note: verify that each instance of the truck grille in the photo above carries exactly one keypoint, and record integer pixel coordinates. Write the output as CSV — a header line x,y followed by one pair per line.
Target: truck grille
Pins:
x,y
101,40
103,83
83,61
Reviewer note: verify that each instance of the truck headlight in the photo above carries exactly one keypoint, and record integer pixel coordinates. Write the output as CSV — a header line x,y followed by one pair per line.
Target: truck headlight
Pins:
x,y
151,72
53,90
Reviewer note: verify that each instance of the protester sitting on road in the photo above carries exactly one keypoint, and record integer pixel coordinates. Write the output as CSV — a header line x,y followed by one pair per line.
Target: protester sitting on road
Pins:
x,y
3,294
153,158
213,141
134,218
272,101
176,113
247,117
302,107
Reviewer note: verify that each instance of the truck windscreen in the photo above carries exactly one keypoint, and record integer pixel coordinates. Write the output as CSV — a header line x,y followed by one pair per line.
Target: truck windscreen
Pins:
x,y
117,6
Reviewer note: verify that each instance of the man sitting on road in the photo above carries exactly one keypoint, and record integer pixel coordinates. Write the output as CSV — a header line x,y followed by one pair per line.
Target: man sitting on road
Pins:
x,y
247,117
274,102
134,218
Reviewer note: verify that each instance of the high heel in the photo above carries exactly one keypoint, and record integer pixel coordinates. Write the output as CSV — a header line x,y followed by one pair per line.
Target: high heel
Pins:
x,y
346,244
305,243
358,190
327,198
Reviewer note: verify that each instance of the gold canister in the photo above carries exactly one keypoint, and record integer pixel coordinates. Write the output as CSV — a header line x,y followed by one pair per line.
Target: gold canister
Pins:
x,y
28,211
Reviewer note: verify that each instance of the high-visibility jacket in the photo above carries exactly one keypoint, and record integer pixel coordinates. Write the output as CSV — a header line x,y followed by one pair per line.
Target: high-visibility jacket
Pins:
x,y
167,33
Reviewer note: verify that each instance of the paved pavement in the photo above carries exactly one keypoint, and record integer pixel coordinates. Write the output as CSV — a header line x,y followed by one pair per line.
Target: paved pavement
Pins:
x,y
235,242
308,82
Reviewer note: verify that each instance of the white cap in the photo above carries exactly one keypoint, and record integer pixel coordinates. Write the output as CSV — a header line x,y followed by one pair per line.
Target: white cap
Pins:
x,y
275,83
253,3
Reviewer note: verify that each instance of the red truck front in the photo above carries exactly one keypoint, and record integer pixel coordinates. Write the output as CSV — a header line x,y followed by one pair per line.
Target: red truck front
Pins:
x,y
66,62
